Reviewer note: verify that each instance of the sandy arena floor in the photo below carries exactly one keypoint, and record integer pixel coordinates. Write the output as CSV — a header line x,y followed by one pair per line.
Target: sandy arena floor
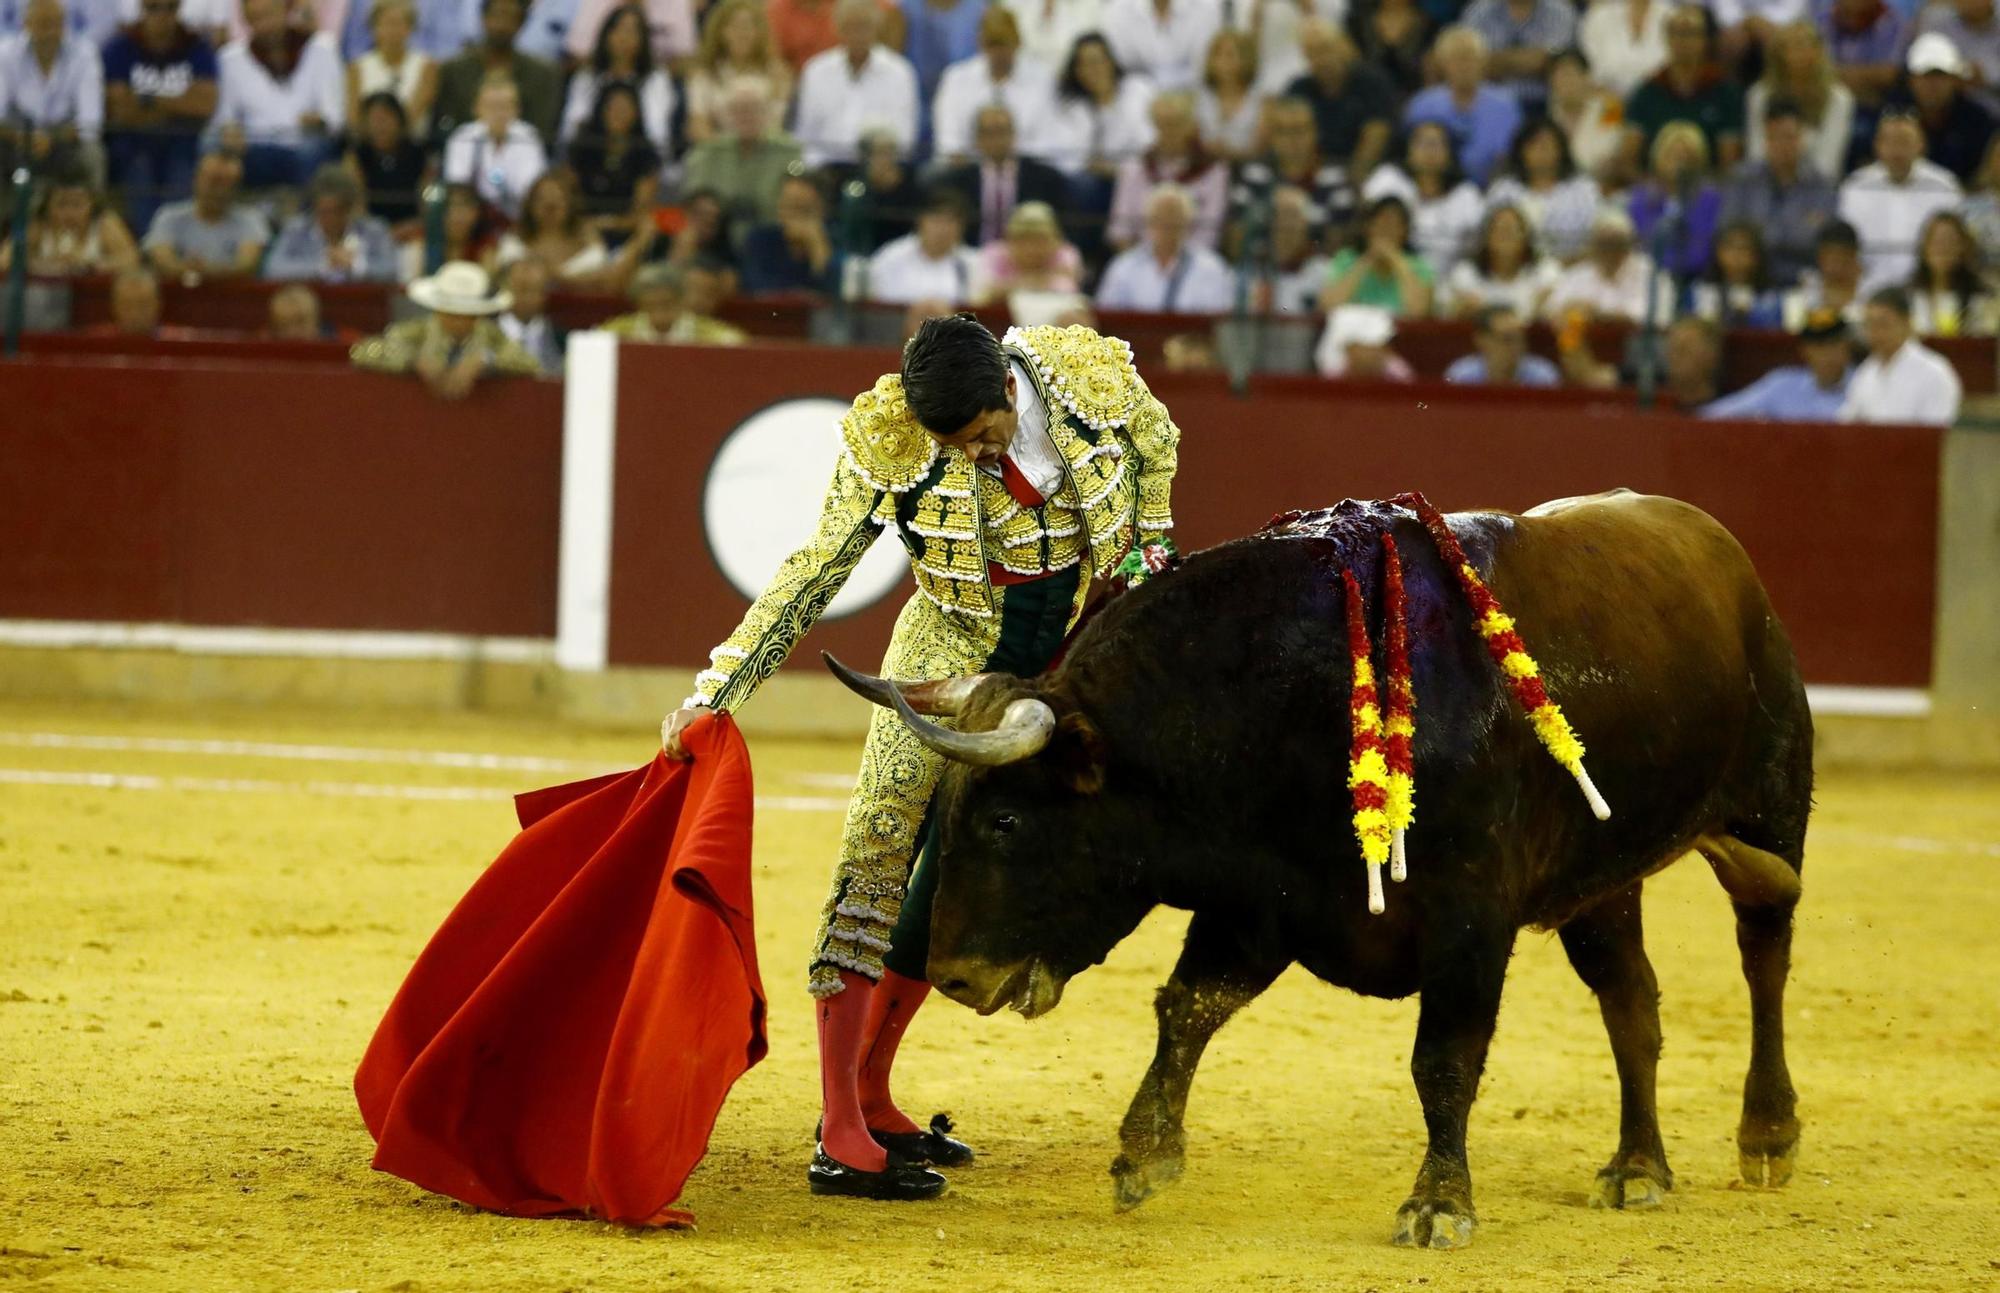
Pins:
x,y
196,942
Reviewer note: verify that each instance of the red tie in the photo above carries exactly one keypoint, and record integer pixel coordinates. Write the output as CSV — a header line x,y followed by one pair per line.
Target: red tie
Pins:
x,y
1018,485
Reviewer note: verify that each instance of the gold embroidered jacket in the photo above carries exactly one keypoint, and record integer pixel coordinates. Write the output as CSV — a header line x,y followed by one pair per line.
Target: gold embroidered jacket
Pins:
x,y
396,350
1118,447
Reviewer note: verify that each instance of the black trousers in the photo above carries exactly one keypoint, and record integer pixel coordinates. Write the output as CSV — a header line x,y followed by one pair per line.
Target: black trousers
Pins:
x,y
1033,620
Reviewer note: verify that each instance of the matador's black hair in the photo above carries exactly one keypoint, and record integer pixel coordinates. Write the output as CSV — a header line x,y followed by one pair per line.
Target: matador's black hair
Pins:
x,y
953,371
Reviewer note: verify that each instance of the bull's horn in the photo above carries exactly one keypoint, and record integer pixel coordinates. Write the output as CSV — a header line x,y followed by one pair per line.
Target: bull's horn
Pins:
x,y
1023,733
943,698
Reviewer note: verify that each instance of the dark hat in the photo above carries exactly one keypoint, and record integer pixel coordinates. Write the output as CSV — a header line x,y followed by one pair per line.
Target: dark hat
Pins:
x,y
1823,325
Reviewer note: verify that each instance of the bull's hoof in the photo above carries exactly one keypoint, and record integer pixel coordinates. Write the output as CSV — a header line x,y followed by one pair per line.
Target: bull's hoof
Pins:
x,y
1630,1185
1133,1181
1433,1223
1766,1152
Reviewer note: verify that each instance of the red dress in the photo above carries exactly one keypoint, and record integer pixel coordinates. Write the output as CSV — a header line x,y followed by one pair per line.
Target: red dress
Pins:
x,y
564,1044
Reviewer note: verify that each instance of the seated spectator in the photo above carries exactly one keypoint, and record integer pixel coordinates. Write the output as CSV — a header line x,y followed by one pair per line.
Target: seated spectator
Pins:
x,y
1957,127
293,315
92,21
553,230
935,34
1542,182
390,165
1812,391
704,238
211,235
1889,200
1901,380
792,253
135,307
1505,268
1981,207
1162,40
1353,104
1865,39
1445,207
1949,297
623,56
471,230
854,86
392,66
1610,282
1050,31
1393,36
526,320
1380,267
497,153
1482,119
1972,29
71,232
1691,87
670,29
747,157
1625,41
159,92
617,169
1296,274
1781,192
462,78
1591,119
999,178
1355,346
1501,358
1798,73
333,240
801,29
1521,37
1736,292
1834,282
1101,117
998,76
1168,274
282,98
1228,105
662,315
1750,27
454,346
1294,161
886,208
930,266
1676,208
1176,157
1033,257
51,94
1691,371
736,53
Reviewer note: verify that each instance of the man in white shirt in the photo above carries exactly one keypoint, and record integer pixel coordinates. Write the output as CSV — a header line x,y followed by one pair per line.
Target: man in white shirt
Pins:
x,y
51,90
856,85
1000,74
1165,41
282,97
1889,200
1167,274
932,266
1610,281
1902,380
497,153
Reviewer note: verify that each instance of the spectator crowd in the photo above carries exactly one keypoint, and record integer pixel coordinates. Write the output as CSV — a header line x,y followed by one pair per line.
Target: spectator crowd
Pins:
x,y
1793,164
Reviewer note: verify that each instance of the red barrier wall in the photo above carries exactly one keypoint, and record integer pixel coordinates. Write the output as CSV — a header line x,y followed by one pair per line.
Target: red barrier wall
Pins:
x,y
303,497
1826,511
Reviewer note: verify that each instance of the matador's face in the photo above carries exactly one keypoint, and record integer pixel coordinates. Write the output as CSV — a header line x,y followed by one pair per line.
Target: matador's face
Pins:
x,y
991,434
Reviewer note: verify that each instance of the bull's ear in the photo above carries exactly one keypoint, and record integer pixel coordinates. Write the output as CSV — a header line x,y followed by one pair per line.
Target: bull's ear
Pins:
x,y
1078,754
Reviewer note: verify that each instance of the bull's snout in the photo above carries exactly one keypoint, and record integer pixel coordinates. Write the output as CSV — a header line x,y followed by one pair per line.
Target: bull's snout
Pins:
x,y
1027,987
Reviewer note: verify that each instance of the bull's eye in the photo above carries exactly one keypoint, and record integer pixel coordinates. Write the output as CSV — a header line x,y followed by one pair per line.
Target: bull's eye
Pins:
x,y
1005,823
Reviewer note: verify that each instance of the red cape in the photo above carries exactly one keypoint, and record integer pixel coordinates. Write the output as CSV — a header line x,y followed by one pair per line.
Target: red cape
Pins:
x,y
565,1042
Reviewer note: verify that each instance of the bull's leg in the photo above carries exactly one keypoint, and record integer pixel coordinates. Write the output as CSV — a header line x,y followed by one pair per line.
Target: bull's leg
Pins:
x,y
1461,1001
1764,888
1220,971
1606,945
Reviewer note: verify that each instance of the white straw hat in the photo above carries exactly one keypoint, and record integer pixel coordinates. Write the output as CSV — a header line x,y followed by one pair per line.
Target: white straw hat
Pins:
x,y
459,287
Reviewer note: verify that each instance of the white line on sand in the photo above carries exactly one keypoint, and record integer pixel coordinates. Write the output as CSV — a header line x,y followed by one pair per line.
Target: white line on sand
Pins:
x,y
344,789
313,753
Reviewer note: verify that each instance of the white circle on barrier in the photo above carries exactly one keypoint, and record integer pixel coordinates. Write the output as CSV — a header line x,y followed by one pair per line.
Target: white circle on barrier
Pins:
x,y
765,488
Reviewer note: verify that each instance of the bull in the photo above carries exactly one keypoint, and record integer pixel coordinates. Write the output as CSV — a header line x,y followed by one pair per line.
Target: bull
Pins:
x,y
1189,751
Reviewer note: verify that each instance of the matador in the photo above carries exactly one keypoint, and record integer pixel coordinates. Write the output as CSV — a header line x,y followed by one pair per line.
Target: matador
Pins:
x,y
1014,472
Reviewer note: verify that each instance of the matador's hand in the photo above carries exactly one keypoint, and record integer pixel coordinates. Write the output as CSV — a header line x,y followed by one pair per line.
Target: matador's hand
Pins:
x,y
676,723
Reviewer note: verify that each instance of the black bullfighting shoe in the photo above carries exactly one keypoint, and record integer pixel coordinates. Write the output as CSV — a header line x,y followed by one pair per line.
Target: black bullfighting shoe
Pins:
x,y
934,1146
901,1181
